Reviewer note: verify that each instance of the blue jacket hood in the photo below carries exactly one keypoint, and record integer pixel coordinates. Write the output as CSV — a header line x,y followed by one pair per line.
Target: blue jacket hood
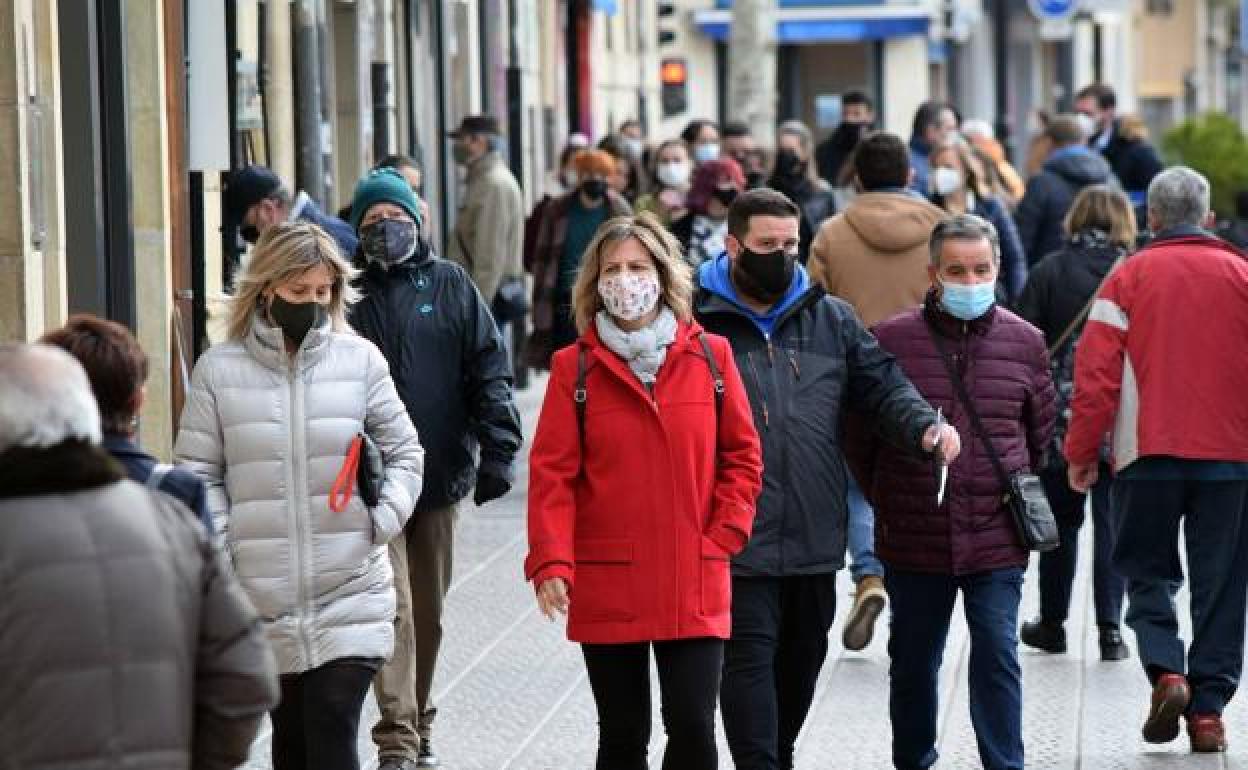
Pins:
x,y
716,277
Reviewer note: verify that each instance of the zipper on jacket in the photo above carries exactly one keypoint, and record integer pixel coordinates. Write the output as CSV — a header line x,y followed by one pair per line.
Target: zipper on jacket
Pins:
x,y
299,497
797,370
758,383
771,355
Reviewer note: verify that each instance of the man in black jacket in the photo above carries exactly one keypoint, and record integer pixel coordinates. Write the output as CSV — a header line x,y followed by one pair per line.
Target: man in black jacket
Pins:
x,y
451,370
802,355
1069,168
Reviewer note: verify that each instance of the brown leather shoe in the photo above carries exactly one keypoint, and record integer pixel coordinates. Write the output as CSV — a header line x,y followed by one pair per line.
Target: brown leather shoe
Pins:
x,y
1171,695
869,601
1207,733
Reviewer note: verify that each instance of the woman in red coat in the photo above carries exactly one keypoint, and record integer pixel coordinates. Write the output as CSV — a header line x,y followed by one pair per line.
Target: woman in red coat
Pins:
x,y
643,477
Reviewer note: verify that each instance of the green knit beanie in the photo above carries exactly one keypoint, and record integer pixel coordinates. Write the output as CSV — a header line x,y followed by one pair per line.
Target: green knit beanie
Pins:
x,y
383,185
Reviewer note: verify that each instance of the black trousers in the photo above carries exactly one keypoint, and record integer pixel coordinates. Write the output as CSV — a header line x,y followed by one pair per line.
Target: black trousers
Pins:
x,y
619,675
316,724
771,664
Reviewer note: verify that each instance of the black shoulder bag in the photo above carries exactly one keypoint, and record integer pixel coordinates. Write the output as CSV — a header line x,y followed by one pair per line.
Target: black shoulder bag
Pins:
x,y
1033,518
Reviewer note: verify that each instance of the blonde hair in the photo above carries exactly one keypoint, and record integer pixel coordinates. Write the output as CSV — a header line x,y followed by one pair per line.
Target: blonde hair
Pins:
x,y
284,252
1100,207
675,275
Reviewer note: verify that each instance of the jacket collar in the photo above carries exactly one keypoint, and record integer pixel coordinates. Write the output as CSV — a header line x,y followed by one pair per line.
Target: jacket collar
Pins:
x,y
1182,232
268,345
483,165
121,446
70,466
955,328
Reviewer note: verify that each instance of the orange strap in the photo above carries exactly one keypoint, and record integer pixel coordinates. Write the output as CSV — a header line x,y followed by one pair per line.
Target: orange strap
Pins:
x,y
340,494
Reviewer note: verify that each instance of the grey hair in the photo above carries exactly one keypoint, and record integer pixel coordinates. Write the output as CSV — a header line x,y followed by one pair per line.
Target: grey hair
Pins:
x,y
963,227
45,398
1178,196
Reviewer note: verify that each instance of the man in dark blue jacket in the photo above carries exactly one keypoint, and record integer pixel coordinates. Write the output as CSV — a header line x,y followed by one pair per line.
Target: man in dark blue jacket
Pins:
x,y
451,370
256,199
802,355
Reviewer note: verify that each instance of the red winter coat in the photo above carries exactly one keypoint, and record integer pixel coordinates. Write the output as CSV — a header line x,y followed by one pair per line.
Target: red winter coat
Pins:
x,y
1161,360
1005,366
643,518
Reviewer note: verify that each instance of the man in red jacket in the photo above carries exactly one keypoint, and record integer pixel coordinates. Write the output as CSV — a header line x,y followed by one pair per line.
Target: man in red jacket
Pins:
x,y
1161,363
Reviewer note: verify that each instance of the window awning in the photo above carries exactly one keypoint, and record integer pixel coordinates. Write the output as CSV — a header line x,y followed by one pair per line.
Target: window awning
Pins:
x,y
837,24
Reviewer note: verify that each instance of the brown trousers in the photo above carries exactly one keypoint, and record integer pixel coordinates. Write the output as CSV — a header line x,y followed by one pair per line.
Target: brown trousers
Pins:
x,y
421,557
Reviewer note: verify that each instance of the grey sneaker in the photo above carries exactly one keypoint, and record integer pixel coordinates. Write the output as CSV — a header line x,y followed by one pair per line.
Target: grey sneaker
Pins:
x,y
396,763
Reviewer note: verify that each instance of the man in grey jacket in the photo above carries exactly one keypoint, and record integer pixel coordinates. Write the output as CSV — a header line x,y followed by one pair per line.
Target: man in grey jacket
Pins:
x,y
124,639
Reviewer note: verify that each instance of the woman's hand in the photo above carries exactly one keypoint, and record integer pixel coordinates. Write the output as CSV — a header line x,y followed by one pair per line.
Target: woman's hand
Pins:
x,y
552,597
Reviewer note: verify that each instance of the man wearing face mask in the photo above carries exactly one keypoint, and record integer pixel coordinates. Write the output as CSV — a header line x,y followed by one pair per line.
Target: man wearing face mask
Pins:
x,y
803,356
452,372
833,154
256,199
938,540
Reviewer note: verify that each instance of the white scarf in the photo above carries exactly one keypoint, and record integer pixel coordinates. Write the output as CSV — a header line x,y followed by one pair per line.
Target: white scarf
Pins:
x,y
643,350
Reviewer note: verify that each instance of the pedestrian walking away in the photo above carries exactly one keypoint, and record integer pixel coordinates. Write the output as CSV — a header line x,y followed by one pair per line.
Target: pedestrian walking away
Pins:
x,y
963,352
642,482
1178,450
128,641
1060,291
804,356
451,371
268,423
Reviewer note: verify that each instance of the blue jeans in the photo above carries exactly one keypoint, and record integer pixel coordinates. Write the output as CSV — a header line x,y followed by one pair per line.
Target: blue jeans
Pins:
x,y
1215,528
922,606
861,535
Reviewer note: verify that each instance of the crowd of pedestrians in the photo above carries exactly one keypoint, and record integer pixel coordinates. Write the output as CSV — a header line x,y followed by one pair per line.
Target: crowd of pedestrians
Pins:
x,y
901,354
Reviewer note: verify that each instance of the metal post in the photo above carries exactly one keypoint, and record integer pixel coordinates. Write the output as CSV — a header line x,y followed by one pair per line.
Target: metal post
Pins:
x,y
309,166
515,96
1001,53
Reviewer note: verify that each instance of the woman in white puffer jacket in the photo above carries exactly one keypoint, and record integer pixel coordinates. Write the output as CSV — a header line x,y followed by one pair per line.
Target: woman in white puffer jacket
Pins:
x,y
268,422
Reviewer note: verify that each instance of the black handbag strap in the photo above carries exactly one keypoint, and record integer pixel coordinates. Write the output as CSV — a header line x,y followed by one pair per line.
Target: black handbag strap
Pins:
x,y
976,424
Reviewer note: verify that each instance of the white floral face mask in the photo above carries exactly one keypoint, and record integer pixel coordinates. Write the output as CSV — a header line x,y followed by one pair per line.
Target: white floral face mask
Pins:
x,y
629,296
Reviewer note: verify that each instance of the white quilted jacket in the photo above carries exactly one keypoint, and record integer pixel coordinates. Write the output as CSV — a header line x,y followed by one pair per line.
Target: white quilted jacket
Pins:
x,y
268,434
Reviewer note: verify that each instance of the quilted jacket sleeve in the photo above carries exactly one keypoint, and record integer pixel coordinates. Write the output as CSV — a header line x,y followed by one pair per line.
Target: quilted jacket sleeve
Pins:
x,y
739,460
235,672
554,463
200,446
389,425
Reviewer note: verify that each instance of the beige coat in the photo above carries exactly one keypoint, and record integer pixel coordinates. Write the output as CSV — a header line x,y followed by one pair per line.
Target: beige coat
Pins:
x,y
488,239
874,255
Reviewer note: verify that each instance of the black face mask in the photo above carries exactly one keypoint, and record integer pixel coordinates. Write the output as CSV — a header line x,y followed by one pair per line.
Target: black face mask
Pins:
x,y
766,276
389,241
594,189
789,165
249,233
754,180
296,319
725,195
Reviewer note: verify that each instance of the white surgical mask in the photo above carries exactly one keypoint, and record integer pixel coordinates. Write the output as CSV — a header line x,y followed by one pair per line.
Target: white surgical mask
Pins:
x,y
674,173
946,181
706,151
629,296
1087,124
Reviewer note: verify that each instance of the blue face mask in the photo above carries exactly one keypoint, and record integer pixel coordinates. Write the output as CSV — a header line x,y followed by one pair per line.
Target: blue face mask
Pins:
x,y
968,302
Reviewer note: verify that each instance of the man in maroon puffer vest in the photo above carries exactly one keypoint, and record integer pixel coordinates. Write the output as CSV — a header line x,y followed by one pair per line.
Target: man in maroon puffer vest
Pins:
x,y
967,542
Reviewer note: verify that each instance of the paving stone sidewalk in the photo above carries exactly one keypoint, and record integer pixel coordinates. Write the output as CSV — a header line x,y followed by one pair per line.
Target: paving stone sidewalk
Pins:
x,y
511,691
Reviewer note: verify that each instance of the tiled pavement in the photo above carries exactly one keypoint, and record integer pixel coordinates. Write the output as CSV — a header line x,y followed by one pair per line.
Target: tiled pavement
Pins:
x,y
511,691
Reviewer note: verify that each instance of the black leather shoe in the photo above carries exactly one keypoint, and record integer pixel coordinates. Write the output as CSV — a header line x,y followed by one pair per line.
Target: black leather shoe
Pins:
x,y
1112,645
1043,636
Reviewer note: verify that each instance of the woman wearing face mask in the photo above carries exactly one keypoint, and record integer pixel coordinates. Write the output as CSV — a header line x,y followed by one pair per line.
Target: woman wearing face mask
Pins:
x,y
671,171
702,136
642,480
703,229
795,175
567,226
268,424
956,182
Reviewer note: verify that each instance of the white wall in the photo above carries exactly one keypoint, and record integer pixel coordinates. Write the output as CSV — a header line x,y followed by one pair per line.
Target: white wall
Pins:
x,y
905,82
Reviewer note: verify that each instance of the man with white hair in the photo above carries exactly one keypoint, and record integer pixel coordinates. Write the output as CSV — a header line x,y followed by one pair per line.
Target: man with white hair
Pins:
x,y
126,640
1161,364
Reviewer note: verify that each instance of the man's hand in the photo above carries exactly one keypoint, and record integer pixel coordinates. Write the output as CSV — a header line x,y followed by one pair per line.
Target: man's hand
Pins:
x,y
552,597
490,487
942,439
1083,476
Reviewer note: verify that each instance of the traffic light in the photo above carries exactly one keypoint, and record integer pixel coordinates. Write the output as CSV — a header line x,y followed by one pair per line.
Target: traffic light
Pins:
x,y
674,80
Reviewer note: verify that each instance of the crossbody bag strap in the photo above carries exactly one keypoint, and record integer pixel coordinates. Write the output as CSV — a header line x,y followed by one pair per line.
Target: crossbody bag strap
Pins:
x,y
1078,320
716,375
960,387
580,394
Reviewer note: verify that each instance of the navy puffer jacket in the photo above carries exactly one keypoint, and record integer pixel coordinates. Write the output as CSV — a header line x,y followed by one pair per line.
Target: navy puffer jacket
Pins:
x,y
1004,363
